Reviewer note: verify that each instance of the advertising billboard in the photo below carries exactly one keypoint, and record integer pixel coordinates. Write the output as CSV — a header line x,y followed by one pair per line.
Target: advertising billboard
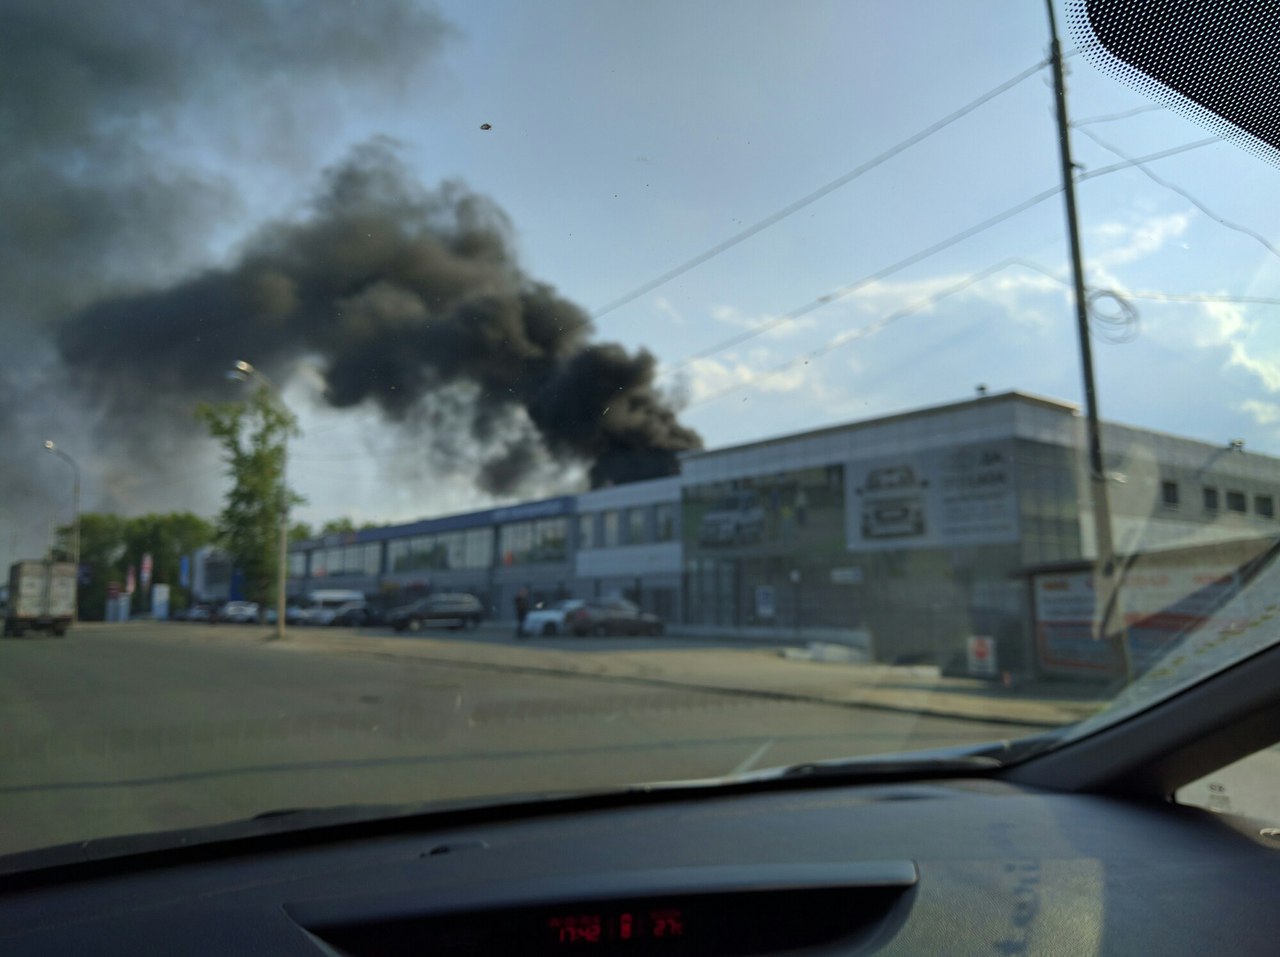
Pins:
x,y
963,495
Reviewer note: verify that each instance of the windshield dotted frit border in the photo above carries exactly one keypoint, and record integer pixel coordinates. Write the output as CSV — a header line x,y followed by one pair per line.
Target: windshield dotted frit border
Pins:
x,y
1217,64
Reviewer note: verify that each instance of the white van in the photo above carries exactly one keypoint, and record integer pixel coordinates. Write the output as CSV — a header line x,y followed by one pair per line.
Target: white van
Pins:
x,y
324,605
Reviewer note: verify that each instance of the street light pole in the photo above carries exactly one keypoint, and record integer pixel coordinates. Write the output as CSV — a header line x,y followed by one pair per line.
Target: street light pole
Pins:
x,y
75,519
244,371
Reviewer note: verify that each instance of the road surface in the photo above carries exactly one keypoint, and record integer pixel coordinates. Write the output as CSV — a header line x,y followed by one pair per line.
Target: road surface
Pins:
x,y
132,728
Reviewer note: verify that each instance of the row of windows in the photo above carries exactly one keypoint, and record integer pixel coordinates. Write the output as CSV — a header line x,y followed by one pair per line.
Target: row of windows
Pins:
x,y
526,543
518,543
633,526
346,560
1236,500
448,550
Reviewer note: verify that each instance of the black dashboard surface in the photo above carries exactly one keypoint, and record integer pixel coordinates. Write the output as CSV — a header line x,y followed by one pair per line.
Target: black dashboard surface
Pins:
x,y
1000,870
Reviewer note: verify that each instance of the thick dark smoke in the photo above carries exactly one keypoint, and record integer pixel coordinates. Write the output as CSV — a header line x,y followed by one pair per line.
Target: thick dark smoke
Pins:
x,y
118,121
125,128
397,292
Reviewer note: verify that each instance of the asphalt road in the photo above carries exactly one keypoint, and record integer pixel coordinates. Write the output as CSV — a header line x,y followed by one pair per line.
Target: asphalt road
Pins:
x,y
127,729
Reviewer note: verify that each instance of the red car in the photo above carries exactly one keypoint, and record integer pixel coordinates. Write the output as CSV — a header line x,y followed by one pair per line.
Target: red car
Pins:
x,y
612,616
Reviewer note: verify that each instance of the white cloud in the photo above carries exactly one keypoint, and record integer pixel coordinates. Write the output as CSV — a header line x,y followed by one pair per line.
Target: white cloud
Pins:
x,y
1122,243
1264,413
733,316
664,306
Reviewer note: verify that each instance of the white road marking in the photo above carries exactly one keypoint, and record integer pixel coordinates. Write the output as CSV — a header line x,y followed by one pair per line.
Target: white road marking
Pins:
x,y
752,758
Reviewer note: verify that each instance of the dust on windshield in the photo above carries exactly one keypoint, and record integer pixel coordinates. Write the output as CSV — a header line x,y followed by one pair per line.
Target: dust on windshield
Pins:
x,y
416,401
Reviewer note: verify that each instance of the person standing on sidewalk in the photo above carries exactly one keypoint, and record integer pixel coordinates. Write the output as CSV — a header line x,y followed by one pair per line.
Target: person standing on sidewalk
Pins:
x,y
522,609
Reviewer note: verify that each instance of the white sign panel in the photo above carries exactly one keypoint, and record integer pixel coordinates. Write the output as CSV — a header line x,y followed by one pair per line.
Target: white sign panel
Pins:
x,y
766,606
982,656
850,575
964,495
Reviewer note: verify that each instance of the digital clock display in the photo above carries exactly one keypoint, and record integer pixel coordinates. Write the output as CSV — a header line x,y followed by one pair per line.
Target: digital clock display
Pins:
x,y
590,929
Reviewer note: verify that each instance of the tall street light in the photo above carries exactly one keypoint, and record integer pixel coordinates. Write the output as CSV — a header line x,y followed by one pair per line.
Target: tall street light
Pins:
x,y
244,371
75,518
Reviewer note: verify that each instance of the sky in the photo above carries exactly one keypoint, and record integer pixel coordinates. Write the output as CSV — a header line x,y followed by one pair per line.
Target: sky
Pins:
x,y
622,139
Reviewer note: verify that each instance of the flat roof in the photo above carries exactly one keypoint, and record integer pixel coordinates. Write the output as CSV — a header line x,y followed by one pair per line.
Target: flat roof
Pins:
x,y
1014,395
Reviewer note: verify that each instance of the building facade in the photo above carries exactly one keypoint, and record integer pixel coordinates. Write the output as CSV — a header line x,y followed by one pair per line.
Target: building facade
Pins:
x,y
910,533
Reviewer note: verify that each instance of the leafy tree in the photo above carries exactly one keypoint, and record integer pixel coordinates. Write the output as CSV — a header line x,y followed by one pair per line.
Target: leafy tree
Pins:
x,y
300,532
109,544
253,434
338,526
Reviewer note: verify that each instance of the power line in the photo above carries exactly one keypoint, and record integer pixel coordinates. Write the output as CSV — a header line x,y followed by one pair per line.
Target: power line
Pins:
x,y
1109,117
1221,220
1172,151
863,332
942,245
1195,297
817,194
879,274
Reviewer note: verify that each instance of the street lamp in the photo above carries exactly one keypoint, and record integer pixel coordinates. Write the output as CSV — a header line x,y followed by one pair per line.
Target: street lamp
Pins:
x,y
75,517
243,371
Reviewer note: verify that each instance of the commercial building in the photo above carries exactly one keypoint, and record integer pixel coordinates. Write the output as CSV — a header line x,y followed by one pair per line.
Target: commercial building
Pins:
x,y
914,534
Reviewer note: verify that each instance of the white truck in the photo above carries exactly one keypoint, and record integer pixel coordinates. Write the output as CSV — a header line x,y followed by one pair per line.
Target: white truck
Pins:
x,y
42,597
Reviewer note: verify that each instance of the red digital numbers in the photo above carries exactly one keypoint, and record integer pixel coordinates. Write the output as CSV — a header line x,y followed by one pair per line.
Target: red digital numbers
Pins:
x,y
667,923
577,929
573,929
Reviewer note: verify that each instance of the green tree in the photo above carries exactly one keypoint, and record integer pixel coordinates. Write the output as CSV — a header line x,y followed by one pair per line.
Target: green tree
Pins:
x,y
336,526
109,544
253,434
300,532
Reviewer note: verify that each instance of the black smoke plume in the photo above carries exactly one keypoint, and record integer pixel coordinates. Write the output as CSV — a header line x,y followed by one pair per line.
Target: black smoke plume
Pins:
x,y
398,293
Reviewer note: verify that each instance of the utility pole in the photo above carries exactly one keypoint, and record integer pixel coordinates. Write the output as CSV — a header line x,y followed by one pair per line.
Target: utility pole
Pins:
x,y
1105,564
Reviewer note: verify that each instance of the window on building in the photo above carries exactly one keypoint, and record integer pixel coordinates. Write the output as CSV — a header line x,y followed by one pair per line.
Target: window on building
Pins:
x,y
664,522
297,564
1210,498
479,551
1169,494
1236,501
637,526
586,531
545,540
611,529
1264,505
398,555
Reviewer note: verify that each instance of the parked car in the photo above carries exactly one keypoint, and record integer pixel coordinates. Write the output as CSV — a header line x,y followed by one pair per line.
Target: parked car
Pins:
x,y
455,610
323,606
352,615
551,619
612,616
240,612
199,613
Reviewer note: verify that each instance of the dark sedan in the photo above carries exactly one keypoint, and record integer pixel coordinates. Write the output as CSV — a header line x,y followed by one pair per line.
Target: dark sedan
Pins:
x,y
456,611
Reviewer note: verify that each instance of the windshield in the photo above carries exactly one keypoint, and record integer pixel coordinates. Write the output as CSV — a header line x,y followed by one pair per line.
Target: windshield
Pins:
x,y
747,332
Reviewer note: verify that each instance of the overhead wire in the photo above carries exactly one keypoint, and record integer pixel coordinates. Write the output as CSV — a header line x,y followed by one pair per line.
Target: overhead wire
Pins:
x,y
916,257
1173,187
817,194
862,332
1109,117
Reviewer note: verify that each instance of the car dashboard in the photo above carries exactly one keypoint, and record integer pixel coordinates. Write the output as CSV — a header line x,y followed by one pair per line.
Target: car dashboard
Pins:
x,y
967,866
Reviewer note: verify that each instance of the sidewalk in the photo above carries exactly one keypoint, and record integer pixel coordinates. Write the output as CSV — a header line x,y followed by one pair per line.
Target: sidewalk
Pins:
x,y
767,672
